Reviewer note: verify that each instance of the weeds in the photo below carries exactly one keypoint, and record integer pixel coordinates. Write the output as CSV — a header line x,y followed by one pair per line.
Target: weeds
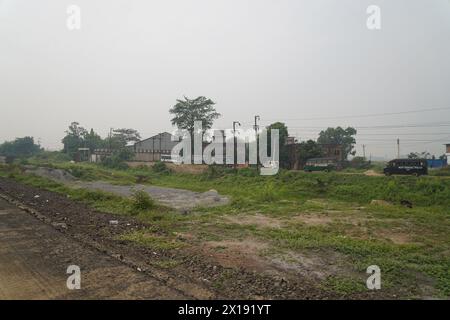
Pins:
x,y
142,201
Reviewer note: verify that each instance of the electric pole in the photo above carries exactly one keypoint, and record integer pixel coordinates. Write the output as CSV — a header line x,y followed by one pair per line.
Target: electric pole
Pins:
x,y
364,151
235,143
110,139
256,140
398,148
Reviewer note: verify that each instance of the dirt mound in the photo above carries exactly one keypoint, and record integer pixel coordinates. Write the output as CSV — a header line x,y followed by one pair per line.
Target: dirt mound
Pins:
x,y
53,174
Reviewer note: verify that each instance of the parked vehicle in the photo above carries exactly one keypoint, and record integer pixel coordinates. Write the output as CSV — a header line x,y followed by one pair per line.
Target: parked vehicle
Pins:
x,y
416,167
320,164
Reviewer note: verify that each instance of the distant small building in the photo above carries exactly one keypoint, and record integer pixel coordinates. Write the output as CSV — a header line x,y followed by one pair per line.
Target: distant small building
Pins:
x,y
447,149
332,150
290,141
99,154
83,154
2,159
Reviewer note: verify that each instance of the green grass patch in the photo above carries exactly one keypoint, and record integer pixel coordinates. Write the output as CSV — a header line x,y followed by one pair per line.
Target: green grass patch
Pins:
x,y
146,238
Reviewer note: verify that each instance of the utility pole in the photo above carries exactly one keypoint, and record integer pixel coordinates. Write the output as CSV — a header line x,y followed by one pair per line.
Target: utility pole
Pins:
x,y
364,151
110,139
398,148
235,143
256,127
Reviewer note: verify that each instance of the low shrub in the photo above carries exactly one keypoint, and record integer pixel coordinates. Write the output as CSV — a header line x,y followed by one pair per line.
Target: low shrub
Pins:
x,y
142,201
160,167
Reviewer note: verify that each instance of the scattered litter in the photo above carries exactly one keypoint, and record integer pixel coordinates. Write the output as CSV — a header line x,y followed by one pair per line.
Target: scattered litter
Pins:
x,y
59,225
37,196
114,222
118,256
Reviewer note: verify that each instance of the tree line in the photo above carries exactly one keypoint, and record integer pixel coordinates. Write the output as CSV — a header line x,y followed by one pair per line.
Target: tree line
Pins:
x,y
185,112
78,137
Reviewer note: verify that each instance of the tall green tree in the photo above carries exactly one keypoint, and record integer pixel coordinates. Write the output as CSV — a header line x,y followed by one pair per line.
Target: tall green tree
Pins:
x,y
121,137
283,135
93,141
187,111
74,139
338,135
78,137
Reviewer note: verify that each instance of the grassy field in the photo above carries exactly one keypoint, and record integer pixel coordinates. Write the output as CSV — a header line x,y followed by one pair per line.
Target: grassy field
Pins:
x,y
328,219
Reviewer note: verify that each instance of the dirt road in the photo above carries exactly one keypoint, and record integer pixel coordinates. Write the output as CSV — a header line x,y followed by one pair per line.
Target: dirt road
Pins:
x,y
34,258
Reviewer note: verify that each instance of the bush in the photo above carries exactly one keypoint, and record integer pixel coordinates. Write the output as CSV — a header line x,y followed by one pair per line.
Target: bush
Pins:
x,y
268,193
142,200
213,172
117,159
160,167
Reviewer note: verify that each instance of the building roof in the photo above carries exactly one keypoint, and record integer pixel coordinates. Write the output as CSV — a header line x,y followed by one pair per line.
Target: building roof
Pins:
x,y
156,135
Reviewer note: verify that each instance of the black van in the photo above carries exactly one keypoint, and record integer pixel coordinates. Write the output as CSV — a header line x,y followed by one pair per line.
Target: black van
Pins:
x,y
416,167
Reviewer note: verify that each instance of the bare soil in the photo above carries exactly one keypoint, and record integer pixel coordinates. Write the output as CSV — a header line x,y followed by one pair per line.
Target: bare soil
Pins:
x,y
34,258
197,274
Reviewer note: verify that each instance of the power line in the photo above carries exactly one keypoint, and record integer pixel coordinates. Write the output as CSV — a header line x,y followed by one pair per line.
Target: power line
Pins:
x,y
363,115
424,125
404,134
412,140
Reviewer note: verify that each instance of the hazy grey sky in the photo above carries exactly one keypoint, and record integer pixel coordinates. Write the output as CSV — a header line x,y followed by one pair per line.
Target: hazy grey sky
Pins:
x,y
282,59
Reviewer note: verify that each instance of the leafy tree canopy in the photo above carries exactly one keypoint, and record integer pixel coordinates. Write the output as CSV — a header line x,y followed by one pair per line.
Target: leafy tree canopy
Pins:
x,y
187,111
20,147
338,135
308,150
419,155
121,137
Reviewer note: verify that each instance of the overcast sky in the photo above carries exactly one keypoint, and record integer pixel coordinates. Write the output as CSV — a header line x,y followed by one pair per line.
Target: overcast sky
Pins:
x,y
285,60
